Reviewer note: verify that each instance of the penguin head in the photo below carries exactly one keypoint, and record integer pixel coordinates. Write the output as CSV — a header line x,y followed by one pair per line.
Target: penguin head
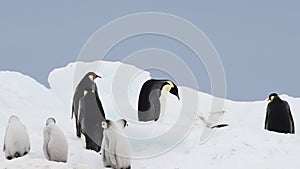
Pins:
x,y
92,76
13,118
123,123
273,96
173,88
50,120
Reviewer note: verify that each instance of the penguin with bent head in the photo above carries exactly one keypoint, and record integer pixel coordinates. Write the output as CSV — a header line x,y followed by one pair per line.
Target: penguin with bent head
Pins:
x,y
152,99
279,117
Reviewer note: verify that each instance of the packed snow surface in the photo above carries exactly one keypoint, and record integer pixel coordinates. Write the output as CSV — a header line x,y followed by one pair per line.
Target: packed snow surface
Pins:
x,y
244,144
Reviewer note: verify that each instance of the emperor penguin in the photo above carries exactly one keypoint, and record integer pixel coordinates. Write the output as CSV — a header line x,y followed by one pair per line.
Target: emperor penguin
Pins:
x,y
86,82
16,140
90,113
279,117
152,99
55,145
116,149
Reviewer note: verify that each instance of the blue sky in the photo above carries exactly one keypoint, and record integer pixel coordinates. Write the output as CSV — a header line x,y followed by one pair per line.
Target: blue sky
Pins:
x,y
258,41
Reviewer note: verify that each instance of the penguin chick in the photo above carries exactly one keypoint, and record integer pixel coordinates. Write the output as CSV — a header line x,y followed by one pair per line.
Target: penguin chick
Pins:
x,y
16,140
116,149
55,145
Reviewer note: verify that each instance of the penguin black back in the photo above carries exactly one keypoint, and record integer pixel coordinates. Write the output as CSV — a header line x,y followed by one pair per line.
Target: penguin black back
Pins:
x,y
151,104
279,117
91,112
147,88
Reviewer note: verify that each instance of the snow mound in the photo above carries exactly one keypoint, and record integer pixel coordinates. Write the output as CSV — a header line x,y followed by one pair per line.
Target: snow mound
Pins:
x,y
243,144
21,92
115,76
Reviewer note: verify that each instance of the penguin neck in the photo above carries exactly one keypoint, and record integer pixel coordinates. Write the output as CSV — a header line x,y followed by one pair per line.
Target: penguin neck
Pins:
x,y
91,77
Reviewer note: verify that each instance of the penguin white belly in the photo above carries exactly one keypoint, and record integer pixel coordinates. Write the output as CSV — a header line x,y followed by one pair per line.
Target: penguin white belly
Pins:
x,y
162,100
123,149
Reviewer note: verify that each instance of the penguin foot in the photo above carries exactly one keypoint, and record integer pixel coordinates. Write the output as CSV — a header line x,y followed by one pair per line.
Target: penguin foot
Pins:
x,y
17,155
9,157
127,167
26,152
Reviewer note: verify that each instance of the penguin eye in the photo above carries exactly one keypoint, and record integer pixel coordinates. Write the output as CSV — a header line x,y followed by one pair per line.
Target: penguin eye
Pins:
x,y
103,124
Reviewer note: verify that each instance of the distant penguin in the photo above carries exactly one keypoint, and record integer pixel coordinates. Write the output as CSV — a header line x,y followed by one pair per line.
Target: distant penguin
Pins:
x,y
86,82
152,98
90,114
116,149
279,117
16,141
55,143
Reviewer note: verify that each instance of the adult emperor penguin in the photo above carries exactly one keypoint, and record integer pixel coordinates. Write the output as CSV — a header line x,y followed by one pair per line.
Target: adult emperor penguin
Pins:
x,y
152,98
90,114
279,117
16,141
116,149
86,82
55,143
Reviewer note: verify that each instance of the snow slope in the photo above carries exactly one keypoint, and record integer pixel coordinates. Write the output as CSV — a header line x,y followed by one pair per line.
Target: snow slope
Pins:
x,y
244,144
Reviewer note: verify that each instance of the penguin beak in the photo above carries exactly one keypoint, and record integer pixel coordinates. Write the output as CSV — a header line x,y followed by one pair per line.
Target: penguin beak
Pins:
x,y
178,97
97,76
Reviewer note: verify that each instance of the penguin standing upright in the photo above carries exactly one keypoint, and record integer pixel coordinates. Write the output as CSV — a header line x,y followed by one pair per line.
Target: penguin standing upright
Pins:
x,y
152,98
86,82
116,149
16,141
279,117
55,143
90,113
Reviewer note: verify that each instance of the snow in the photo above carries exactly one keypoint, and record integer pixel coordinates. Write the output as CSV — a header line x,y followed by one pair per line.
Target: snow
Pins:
x,y
243,144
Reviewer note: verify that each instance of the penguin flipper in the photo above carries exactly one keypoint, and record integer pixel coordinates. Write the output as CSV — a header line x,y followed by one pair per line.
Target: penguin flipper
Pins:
x,y
72,111
73,104
156,103
99,104
4,148
267,118
46,141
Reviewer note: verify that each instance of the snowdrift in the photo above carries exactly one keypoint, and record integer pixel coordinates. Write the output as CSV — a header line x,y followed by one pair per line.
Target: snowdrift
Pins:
x,y
243,144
